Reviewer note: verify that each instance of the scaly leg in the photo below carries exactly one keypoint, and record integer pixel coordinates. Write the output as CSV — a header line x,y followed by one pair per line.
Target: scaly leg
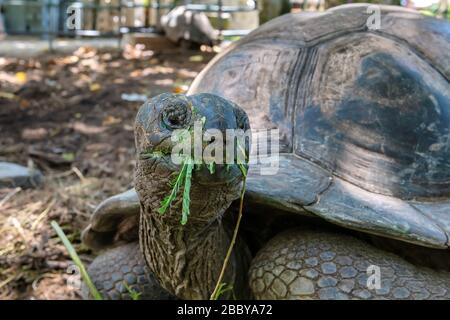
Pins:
x,y
116,269
300,264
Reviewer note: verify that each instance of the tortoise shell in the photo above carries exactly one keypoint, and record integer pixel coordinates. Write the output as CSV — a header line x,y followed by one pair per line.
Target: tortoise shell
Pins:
x,y
363,116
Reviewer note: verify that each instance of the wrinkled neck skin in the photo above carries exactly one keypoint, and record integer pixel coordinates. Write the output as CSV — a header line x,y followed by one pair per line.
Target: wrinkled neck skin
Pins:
x,y
187,259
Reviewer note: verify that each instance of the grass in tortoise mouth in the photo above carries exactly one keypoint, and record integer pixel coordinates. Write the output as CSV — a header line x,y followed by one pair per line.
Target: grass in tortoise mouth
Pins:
x,y
184,178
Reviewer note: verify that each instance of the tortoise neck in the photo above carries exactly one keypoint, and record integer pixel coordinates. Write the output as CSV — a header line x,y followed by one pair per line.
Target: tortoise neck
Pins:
x,y
186,259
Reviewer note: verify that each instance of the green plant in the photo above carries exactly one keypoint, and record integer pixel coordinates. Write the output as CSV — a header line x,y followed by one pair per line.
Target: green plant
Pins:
x,y
183,177
211,168
133,294
223,288
76,259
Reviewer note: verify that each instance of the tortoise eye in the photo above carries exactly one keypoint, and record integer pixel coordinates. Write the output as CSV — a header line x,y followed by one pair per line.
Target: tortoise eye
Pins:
x,y
176,115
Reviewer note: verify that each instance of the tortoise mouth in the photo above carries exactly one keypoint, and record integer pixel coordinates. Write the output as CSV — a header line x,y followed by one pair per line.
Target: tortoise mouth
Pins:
x,y
222,174
156,160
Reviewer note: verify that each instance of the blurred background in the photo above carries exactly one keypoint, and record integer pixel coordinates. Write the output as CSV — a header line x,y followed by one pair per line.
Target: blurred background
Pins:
x,y
47,18
72,77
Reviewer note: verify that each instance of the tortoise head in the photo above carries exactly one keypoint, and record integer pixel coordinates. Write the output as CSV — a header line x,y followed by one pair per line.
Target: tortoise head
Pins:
x,y
171,129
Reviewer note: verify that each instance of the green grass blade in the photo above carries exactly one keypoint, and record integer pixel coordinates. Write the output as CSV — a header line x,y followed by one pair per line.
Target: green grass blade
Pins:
x,y
133,294
243,170
219,285
223,288
186,191
165,204
211,168
76,259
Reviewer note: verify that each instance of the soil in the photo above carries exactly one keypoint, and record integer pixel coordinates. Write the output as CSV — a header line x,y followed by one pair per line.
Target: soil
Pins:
x,y
66,115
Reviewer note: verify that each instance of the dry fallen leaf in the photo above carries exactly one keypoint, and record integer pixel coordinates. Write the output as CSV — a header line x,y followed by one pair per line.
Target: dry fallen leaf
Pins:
x,y
70,60
86,129
24,103
95,87
34,134
21,77
7,95
180,89
196,58
110,120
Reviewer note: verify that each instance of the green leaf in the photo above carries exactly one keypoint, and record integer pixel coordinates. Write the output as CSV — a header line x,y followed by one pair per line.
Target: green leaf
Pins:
x,y
223,288
196,58
165,204
243,170
211,168
186,192
68,156
157,154
133,294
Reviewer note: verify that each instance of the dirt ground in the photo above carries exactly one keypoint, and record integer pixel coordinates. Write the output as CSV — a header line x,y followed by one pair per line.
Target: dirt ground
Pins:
x,y
65,114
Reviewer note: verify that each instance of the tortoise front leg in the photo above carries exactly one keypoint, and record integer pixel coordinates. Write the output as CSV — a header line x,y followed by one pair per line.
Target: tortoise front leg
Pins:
x,y
301,264
118,271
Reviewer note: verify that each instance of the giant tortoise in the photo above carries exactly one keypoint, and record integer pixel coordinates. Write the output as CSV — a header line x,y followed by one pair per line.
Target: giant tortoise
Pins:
x,y
362,188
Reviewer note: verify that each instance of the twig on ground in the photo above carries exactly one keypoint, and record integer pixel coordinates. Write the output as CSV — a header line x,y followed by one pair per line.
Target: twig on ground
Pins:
x,y
9,196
